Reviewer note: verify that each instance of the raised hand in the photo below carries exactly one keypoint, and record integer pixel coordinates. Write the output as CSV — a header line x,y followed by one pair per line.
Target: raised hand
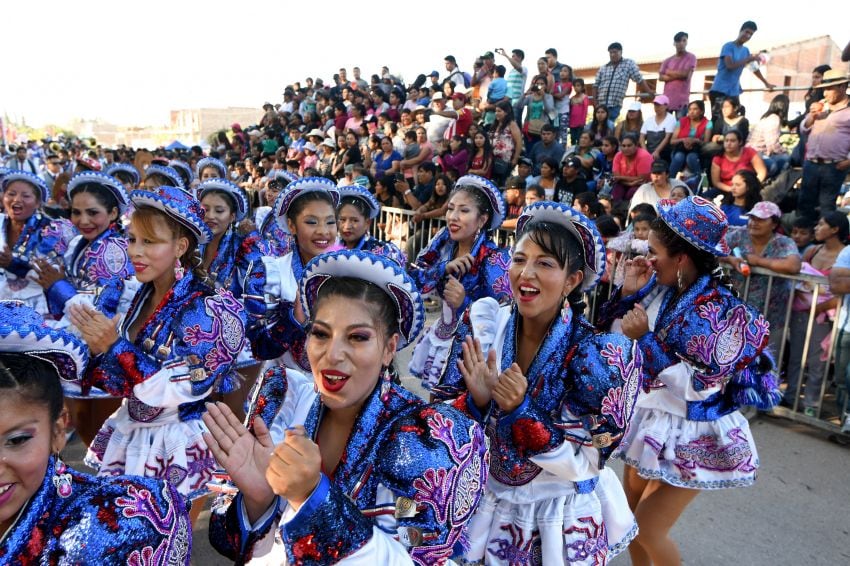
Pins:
x,y
99,332
47,273
295,467
638,272
636,323
481,373
510,388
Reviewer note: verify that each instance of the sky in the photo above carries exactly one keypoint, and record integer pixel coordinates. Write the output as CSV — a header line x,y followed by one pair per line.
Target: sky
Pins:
x,y
132,65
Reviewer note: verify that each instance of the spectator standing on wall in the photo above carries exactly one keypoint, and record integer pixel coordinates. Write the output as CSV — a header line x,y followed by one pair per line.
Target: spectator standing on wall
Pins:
x,y
676,73
734,56
516,77
612,80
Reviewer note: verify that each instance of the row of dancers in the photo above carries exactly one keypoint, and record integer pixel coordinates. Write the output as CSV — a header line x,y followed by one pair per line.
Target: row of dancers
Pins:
x,y
169,311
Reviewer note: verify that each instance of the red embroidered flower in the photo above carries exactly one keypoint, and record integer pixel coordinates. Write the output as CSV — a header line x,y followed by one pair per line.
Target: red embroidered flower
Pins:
x,y
529,434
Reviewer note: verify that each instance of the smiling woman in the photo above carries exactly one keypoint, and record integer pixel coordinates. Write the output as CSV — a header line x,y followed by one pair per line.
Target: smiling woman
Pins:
x,y
52,513
359,471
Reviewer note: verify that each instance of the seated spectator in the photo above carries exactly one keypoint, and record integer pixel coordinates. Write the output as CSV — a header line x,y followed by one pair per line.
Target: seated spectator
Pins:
x,y
680,193
831,232
803,233
523,170
548,147
656,133
631,169
572,181
732,119
600,126
690,134
435,207
760,245
629,244
387,160
642,209
606,202
386,193
454,158
734,158
534,193
588,155
633,122
548,177
660,186
419,194
515,201
587,204
603,166
764,137
746,192
481,158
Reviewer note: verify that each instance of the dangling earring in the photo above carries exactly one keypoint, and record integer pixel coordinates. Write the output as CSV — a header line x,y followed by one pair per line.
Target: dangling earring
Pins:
x,y
179,271
61,478
315,387
386,382
679,283
566,310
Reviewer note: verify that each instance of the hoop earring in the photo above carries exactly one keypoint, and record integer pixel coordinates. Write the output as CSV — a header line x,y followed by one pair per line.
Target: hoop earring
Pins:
x,y
179,271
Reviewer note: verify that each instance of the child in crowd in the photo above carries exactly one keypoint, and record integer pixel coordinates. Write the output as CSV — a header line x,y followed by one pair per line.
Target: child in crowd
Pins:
x,y
561,93
679,192
631,243
803,234
578,111
411,150
746,192
534,193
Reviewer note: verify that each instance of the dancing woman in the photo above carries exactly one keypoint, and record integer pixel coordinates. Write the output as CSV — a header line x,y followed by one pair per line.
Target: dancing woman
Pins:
x,y
368,473
358,208
50,513
556,395
178,340
705,357
463,264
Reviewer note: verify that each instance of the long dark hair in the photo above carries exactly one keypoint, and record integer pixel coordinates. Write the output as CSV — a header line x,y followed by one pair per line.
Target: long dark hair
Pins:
x,y
557,241
705,263
34,379
778,106
753,194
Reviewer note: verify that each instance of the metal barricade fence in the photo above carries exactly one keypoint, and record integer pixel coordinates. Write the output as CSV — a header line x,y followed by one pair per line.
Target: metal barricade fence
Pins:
x,y
396,225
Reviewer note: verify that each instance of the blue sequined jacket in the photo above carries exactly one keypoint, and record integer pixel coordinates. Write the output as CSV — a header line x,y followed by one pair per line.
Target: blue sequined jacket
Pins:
x,y
96,270
189,344
487,278
582,386
721,339
409,480
75,518
389,250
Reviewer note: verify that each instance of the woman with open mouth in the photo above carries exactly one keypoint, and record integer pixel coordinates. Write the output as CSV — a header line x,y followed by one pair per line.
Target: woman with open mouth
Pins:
x,y
359,470
358,208
164,357
50,513
556,396
705,356
306,210
232,260
462,264
96,271
26,233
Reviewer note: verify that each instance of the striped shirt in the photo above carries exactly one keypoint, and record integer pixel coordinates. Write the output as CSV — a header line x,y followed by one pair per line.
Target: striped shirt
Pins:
x,y
516,84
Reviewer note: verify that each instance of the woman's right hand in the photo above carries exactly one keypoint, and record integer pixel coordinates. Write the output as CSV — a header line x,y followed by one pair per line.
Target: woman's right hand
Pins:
x,y
454,293
638,273
460,266
480,373
243,455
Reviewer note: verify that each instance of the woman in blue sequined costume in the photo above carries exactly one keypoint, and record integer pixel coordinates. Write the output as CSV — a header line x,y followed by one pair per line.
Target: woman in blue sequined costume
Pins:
x,y
368,473
50,513
178,339
463,264
556,396
232,260
704,357
358,208
307,211
26,233
276,241
96,271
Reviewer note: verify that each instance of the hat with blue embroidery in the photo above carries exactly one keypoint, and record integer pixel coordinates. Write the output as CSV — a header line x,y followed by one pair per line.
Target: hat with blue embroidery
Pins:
x,y
166,173
236,192
356,192
579,226
125,168
285,177
493,194
698,221
183,169
37,182
372,268
217,164
3,172
23,331
108,182
178,205
299,188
